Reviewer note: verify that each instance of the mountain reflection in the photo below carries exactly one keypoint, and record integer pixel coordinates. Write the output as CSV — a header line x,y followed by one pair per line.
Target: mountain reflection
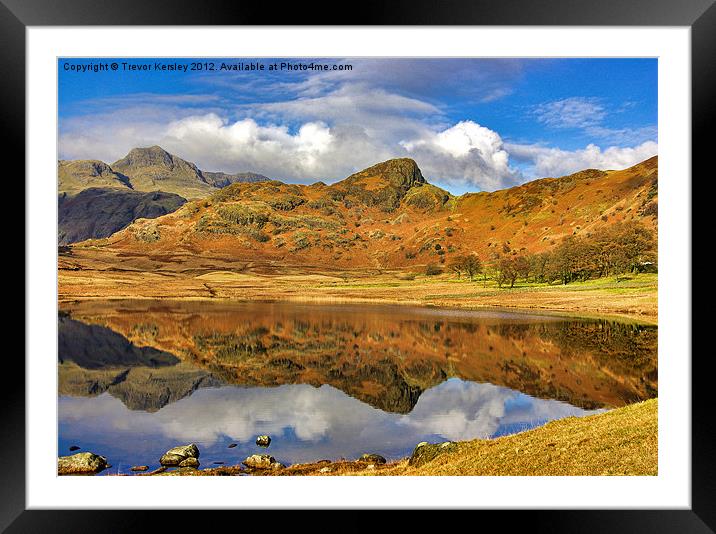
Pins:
x,y
305,422
149,354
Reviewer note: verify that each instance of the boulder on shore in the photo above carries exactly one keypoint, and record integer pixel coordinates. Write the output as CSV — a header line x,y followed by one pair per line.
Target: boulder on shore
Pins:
x,y
262,461
81,463
175,456
425,452
263,441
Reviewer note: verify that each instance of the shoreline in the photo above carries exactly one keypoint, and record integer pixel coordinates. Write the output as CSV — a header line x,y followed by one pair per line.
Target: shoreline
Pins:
x,y
632,299
620,442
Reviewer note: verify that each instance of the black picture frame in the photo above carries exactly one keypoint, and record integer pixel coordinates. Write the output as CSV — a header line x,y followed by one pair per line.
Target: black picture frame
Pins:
x,y
699,15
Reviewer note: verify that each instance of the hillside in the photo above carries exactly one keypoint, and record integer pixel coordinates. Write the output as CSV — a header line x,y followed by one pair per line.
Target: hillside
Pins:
x,y
386,217
100,212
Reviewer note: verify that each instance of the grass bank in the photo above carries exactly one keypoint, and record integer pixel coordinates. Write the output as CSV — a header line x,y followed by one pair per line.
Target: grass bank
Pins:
x,y
623,441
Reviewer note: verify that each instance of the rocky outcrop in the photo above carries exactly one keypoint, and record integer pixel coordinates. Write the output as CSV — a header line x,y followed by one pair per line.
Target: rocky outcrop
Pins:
x,y
222,179
401,173
178,455
82,463
383,185
372,458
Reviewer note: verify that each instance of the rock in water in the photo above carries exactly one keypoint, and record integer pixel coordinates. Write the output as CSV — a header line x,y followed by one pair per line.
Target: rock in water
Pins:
x,y
139,468
425,452
263,441
189,462
372,458
232,445
74,448
81,463
173,457
262,461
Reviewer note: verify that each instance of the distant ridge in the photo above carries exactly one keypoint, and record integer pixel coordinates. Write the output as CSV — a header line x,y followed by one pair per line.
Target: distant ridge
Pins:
x,y
147,169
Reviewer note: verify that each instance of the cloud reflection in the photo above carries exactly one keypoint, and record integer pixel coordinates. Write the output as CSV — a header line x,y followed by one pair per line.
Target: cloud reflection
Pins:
x,y
309,422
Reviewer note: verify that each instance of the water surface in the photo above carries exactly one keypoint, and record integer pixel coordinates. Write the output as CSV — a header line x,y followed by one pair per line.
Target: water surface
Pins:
x,y
327,382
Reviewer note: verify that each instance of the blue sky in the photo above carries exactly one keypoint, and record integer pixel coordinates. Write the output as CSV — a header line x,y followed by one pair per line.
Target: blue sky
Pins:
x,y
471,124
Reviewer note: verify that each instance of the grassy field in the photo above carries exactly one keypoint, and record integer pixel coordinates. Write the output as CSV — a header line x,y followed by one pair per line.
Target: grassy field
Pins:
x,y
95,277
623,441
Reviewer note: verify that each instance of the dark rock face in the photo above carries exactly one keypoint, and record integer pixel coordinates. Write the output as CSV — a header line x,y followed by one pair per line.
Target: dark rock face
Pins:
x,y
222,179
100,212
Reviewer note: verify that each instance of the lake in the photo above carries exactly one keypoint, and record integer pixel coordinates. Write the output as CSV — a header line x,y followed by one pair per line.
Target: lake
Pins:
x,y
328,381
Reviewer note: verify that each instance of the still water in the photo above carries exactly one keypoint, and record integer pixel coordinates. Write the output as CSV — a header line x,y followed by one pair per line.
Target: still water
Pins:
x,y
327,382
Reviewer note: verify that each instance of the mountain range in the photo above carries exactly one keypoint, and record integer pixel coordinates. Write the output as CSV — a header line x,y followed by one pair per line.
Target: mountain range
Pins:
x,y
386,216
96,199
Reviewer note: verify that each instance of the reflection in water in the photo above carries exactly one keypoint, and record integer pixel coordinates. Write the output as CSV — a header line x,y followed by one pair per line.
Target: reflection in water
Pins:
x,y
330,381
306,423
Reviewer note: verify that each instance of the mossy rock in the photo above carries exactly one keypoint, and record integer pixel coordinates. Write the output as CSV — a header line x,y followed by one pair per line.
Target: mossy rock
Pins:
x,y
426,452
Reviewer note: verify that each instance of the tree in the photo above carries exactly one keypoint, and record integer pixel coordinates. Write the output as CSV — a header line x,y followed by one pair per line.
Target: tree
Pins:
x,y
506,272
472,265
456,265
523,267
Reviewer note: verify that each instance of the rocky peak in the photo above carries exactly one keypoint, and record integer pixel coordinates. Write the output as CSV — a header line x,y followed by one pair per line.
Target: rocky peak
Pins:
x,y
151,156
401,173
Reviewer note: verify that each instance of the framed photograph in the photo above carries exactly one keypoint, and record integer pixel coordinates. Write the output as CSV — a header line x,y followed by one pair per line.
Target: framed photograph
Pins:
x,y
439,258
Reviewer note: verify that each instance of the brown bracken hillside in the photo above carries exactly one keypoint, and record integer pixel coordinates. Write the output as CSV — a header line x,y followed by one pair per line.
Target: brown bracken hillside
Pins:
x,y
388,217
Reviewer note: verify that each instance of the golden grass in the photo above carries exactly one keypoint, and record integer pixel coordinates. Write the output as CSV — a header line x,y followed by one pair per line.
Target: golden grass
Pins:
x,y
620,442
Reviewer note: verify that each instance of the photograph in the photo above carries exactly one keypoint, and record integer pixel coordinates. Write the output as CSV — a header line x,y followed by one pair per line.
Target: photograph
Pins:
x,y
357,266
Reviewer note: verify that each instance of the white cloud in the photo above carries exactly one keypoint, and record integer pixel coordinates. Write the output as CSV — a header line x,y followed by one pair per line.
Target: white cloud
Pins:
x,y
213,140
545,161
466,152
